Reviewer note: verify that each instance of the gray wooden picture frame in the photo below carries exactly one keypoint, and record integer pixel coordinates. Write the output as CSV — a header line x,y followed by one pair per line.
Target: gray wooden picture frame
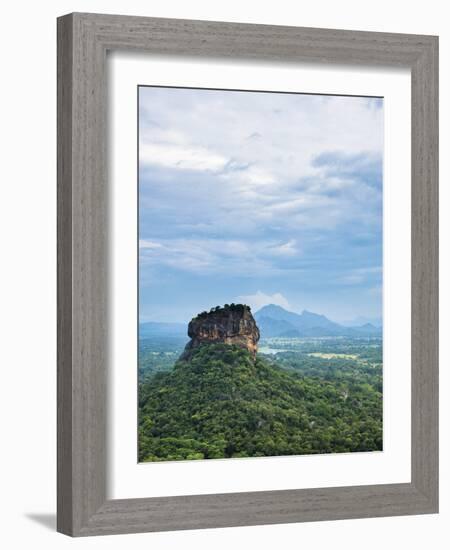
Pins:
x,y
83,41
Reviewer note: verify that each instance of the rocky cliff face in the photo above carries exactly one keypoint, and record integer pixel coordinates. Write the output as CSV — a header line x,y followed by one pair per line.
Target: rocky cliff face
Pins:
x,y
232,324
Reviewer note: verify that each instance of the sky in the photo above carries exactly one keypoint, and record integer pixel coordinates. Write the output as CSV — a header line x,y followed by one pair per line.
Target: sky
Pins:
x,y
259,198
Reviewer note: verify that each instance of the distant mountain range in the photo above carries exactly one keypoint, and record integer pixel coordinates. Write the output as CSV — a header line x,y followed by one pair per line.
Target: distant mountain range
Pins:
x,y
275,321
359,321
152,329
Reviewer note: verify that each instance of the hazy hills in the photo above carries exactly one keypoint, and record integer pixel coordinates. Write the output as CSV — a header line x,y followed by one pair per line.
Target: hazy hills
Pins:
x,y
152,329
274,321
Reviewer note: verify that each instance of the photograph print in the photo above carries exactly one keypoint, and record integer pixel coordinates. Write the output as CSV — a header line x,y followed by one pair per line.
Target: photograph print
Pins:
x,y
260,274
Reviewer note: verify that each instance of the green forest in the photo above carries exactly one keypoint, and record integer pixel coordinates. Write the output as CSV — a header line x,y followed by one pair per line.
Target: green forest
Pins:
x,y
315,397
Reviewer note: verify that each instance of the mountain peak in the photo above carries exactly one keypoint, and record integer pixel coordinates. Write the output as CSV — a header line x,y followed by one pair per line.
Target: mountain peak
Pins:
x,y
306,313
271,307
275,321
232,324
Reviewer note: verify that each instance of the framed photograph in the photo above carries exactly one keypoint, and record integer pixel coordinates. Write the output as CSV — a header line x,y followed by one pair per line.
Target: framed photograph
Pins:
x,y
247,274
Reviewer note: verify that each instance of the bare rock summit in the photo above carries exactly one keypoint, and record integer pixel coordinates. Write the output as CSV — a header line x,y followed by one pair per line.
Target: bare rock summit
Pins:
x,y
232,324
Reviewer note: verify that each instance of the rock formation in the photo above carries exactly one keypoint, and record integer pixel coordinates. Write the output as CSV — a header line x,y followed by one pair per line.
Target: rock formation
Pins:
x,y
231,324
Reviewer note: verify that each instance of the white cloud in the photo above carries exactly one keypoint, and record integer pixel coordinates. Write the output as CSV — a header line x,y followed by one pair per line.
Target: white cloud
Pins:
x,y
352,279
213,131
288,248
252,175
182,254
260,299
237,257
276,188
143,243
360,275
180,157
270,179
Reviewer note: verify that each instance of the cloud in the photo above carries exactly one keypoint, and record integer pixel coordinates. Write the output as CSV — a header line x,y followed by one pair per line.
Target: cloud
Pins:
x,y
284,189
249,174
352,279
149,244
277,134
179,254
177,156
206,256
288,248
254,135
360,275
365,167
259,299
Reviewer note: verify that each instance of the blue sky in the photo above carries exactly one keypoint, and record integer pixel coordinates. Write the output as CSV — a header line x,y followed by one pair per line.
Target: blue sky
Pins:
x,y
259,198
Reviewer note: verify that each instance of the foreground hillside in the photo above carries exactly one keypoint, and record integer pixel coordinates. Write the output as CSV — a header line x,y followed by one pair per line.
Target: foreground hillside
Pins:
x,y
222,403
